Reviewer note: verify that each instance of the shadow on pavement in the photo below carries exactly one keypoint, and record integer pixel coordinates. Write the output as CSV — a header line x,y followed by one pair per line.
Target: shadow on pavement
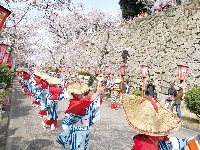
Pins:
x,y
39,144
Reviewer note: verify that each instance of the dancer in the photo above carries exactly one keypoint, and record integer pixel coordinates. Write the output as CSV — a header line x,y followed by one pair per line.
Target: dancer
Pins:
x,y
83,112
154,123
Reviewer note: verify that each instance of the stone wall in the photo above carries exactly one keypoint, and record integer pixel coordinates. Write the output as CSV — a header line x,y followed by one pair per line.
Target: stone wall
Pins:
x,y
161,41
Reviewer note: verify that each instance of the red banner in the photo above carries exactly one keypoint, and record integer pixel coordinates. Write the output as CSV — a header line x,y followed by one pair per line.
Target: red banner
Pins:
x,y
108,70
3,15
69,69
182,71
5,59
122,69
79,69
3,49
144,71
87,69
97,70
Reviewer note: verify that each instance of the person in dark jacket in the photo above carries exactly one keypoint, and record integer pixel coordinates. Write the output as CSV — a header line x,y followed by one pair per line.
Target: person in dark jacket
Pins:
x,y
172,93
150,88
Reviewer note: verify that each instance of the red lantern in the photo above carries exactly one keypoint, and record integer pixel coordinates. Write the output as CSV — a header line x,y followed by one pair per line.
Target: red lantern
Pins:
x,y
69,69
3,49
4,13
60,69
144,71
97,70
79,69
64,69
182,71
108,70
5,59
87,69
122,69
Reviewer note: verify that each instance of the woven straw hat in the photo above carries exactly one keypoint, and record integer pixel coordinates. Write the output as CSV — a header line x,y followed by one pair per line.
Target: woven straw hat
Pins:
x,y
86,77
76,88
73,76
117,80
81,76
54,80
44,76
37,73
99,78
148,116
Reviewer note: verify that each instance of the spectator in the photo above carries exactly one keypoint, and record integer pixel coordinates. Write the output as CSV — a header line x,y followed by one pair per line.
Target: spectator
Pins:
x,y
126,87
177,101
150,88
172,93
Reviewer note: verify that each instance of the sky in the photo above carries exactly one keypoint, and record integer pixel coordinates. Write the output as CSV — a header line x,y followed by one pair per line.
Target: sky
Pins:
x,y
111,6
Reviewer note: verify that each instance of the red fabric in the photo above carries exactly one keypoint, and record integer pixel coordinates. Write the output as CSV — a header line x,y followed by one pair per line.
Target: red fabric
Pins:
x,y
26,76
50,122
37,80
34,102
44,85
78,107
55,92
42,113
152,102
142,143
155,138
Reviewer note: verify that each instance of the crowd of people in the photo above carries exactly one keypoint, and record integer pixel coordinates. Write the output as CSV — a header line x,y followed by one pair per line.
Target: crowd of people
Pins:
x,y
47,89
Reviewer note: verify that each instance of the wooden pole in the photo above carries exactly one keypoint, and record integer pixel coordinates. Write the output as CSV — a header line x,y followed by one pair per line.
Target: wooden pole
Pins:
x,y
143,88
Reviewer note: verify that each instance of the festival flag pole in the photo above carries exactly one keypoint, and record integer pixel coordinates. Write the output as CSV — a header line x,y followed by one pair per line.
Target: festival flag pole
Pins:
x,y
144,71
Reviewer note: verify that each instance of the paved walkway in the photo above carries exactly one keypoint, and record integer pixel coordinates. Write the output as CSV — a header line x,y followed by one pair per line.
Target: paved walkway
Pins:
x,y
25,130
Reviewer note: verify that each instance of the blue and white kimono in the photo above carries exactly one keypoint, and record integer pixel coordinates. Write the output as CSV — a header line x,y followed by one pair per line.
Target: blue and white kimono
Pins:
x,y
52,106
63,81
76,127
38,92
43,102
32,87
177,144
25,83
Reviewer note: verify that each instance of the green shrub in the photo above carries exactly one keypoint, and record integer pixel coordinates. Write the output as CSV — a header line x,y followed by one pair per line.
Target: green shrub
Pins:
x,y
3,97
136,91
192,100
88,74
6,75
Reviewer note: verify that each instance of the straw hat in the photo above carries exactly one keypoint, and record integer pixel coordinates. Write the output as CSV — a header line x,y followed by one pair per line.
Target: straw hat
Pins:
x,y
117,80
44,76
54,80
77,88
37,73
99,78
86,77
81,76
148,116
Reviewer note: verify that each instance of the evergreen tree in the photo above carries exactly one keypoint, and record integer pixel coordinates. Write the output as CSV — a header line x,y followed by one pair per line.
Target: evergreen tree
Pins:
x,y
131,8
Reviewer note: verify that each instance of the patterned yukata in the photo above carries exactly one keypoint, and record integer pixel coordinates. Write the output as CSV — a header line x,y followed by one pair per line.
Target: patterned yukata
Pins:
x,y
44,92
76,127
177,144
25,84
32,88
53,96
63,81
171,143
